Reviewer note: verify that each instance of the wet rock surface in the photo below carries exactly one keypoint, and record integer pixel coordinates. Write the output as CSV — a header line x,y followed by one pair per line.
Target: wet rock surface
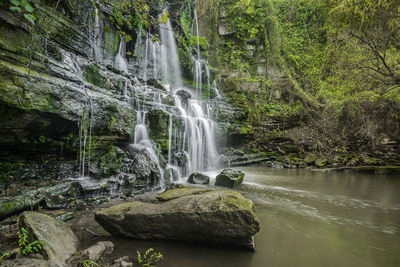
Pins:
x,y
222,217
229,178
198,178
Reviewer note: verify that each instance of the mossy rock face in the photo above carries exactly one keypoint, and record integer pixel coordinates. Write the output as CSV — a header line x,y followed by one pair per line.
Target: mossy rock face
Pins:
x,y
218,216
321,162
229,178
310,159
91,74
111,162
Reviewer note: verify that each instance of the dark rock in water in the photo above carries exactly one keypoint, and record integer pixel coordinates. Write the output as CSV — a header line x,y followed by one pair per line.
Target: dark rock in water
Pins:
x,y
183,94
229,178
59,241
217,216
198,178
142,167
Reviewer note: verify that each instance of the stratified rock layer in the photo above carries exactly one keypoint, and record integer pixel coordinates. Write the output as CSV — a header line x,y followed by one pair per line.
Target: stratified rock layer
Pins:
x,y
223,217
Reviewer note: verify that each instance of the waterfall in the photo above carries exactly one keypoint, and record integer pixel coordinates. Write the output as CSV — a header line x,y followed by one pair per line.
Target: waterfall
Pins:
x,y
197,62
141,138
169,56
191,128
98,54
120,61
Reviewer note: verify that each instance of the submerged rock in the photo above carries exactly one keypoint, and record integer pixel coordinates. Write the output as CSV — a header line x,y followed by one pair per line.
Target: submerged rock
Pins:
x,y
198,178
216,216
59,241
229,178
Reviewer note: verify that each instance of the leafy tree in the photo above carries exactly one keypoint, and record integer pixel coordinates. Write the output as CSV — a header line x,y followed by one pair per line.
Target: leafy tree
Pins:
x,y
373,26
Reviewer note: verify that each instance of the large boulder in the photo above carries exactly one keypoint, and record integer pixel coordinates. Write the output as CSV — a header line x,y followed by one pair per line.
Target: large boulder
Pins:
x,y
216,216
198,178
181,192
59,241
229,178
27,262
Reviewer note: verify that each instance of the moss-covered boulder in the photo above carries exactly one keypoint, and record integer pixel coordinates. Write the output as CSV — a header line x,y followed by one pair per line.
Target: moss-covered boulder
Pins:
x,y
59,241
181,192
217,216
229,178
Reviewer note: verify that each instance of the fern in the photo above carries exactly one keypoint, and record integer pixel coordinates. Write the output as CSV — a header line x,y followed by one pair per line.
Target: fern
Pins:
x,y
26,247
149,258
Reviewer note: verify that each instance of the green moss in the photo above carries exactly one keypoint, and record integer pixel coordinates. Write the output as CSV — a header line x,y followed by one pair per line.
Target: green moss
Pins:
x,y
181,192
116,44
91,74
111,161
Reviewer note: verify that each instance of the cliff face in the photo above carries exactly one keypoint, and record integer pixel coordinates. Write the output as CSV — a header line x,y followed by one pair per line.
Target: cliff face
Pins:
x,y
70,86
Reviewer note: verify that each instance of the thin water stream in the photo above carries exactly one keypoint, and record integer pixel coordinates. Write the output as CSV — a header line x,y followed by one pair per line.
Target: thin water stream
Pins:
x,y
307,219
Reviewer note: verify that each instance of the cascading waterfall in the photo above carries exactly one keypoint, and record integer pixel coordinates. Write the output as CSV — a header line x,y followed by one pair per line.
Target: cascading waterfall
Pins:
x,y
169,57
191,128
120,61
98,55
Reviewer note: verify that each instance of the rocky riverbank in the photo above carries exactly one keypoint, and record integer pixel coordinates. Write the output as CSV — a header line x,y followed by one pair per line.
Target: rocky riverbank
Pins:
x,y
204,215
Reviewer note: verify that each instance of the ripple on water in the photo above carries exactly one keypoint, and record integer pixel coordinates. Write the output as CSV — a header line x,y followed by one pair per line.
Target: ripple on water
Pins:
x,y
331,209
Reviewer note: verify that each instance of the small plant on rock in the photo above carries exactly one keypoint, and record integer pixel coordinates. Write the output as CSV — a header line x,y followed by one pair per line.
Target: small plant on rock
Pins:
x,y
26,247
149,258
87,263
4,255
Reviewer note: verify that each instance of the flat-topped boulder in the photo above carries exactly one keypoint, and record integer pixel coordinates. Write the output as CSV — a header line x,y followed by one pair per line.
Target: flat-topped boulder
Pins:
x,y
211,216
181,192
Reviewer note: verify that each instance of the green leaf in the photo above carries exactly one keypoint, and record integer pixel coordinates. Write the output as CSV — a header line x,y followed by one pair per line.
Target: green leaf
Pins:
x,y
29,8
15,2
30,18
128,38
15,8
164,17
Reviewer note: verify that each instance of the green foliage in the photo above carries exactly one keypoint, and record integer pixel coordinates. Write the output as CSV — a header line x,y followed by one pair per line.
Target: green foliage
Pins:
x,y
26,247
149,258
132,14
4,255
25,8
88,263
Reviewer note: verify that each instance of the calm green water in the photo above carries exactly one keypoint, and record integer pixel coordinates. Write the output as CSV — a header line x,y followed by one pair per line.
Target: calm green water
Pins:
x,y
307,219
